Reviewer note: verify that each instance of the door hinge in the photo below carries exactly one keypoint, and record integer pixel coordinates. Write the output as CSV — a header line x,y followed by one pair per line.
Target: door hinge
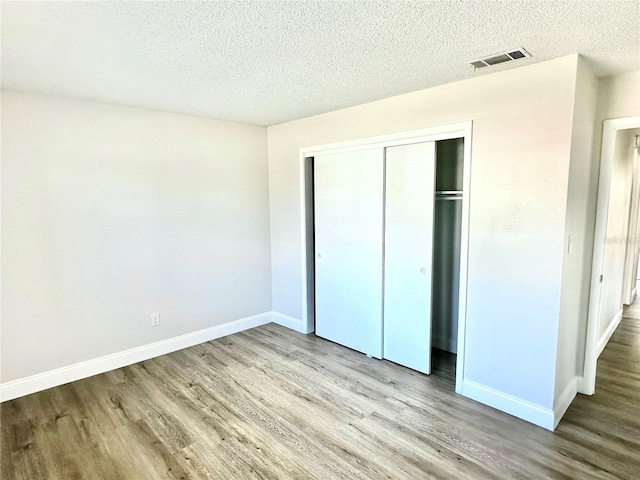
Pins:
x,y
600,278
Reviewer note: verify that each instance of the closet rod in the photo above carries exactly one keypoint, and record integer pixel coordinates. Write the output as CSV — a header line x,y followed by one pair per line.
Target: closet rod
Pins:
x,y
448,193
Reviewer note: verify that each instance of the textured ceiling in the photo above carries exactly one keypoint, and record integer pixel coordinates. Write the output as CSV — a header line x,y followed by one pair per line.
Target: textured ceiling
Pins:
x,y
268,62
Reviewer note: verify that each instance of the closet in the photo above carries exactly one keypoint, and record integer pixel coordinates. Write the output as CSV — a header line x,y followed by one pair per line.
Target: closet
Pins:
x,y
387,249
447,237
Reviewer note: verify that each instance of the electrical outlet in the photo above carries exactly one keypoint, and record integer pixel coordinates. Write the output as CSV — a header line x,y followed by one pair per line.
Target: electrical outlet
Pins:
x,y
155,319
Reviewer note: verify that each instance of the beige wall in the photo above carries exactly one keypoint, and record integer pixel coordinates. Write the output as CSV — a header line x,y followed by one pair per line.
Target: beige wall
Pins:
x,y
574,306
522,127
619,96
112,213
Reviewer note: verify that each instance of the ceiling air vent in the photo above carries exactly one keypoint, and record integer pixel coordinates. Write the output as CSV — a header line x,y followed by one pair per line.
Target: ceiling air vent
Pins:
x,y
500,58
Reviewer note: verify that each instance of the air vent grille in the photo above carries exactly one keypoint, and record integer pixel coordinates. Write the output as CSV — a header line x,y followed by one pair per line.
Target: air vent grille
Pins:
x,y
500,58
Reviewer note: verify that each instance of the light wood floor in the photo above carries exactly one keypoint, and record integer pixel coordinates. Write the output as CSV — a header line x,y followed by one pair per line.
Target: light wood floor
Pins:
x,y
271,403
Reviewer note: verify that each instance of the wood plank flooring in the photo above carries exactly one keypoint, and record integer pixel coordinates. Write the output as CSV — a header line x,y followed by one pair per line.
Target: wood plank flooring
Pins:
x,y
273,404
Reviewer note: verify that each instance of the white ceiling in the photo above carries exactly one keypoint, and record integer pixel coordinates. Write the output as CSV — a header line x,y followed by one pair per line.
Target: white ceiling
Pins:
x,y
265,62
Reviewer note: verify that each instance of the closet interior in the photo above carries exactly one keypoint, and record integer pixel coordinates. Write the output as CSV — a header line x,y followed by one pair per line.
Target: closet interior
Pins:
x,y
387,240
447,236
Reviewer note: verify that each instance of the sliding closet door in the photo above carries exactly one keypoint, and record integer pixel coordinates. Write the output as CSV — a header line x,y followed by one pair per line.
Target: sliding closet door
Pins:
x,y
348,203
410,186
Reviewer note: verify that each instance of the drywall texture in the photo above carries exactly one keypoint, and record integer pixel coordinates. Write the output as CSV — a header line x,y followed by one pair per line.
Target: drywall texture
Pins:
x,y
574,307
617,228
522,127
112,213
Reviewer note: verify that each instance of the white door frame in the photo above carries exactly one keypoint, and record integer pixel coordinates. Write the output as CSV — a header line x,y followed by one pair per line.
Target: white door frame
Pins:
x,y
609,131
431,134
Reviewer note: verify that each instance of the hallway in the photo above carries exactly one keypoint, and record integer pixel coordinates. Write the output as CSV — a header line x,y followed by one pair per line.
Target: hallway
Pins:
x,y
611,417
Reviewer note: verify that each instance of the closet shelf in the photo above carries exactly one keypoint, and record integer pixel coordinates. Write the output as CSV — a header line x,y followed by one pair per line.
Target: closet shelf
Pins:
x,y
449,195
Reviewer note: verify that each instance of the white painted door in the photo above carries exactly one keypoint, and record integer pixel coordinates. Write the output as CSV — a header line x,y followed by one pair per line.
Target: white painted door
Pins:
x,y
348,212
410,186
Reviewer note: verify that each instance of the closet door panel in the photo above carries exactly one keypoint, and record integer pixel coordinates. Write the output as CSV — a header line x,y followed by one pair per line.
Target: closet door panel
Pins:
x,y
410,185
348,213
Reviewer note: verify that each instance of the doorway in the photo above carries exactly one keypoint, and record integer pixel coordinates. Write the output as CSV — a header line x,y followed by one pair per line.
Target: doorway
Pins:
x,y
614,240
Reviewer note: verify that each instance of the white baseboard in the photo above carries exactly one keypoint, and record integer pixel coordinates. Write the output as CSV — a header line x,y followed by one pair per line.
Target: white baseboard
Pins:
x,y
60,376
543,417
582,388
628,299
289,322
565,399
604,339
446,344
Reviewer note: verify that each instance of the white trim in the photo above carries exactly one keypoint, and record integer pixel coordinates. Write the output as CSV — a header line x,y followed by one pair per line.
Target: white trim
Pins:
x,y
580,384
565,399
71,373
430,134
464,258
289,322
634,292
606,336
543,417
609,130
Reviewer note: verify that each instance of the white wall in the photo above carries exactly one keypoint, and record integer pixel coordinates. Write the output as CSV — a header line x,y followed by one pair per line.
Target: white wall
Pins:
x,y
631,255
576,283
522,127
617,228
111,213
618,97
